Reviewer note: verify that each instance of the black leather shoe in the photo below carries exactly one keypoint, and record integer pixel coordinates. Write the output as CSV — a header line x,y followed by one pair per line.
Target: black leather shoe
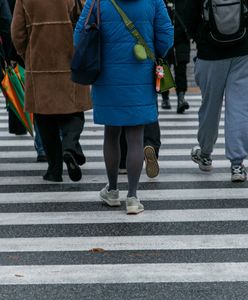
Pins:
x,y
165,100
73,168
41,158
51,177
182,105
166,104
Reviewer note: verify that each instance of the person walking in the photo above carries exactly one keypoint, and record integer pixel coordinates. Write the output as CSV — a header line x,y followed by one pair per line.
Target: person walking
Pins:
x,y
178,56
42,34
124,93
221,71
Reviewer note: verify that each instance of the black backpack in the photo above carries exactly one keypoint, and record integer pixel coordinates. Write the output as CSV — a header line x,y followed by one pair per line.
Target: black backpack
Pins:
x,y
226,20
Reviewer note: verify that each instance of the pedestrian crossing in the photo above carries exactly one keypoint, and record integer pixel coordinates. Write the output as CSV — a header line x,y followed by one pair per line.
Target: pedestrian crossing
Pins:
x,y
58,241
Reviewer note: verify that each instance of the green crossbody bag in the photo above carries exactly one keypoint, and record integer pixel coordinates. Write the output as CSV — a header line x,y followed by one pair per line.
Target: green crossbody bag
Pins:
x,y
143,52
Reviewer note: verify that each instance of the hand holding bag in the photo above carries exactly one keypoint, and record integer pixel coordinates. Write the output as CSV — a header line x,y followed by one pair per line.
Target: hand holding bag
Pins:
x,y
163,79
86,61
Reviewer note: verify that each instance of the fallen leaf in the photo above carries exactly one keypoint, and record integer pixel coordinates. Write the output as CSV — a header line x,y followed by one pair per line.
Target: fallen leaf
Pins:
x,y
97,250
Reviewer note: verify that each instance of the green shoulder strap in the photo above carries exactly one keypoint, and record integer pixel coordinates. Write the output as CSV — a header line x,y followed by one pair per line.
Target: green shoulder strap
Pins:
x,y
130,26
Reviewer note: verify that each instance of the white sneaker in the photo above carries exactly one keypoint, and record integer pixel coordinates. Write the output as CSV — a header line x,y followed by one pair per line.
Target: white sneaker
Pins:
x,y
134,206
110,197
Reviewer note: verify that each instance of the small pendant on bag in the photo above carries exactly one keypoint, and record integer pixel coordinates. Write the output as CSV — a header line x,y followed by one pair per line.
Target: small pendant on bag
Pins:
x,y
159,76
139,52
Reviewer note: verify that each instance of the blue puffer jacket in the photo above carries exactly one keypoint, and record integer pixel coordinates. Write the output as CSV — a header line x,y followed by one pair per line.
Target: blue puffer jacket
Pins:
x,y
124,93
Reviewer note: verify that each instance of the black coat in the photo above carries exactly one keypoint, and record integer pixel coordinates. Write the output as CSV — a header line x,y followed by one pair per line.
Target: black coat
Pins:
x,y
181,50
13,54
200,33
5,21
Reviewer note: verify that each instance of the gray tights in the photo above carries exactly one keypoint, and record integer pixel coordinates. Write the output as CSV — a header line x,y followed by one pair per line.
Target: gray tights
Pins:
x,y
135,155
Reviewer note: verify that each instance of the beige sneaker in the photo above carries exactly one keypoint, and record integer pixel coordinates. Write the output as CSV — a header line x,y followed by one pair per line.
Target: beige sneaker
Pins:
x,y
110,197
134,206
152,167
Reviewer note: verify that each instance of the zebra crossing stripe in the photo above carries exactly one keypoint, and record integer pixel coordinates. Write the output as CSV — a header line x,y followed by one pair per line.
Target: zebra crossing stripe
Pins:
x,y
121,273
145,195
103,217
120,243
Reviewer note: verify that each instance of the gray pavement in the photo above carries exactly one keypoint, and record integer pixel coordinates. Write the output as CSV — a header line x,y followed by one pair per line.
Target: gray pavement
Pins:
x,y
58,241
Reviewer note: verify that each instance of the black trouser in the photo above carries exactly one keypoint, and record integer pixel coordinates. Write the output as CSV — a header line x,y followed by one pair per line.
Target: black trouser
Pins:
x,y
151,138
15,125
61,133
180,78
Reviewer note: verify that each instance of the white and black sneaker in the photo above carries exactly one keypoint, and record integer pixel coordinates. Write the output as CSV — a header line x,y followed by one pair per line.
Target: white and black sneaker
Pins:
x,y
238,173
204,162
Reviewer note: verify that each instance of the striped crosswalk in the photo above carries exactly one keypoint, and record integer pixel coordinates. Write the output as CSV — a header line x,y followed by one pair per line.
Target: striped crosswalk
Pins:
x,y
57,241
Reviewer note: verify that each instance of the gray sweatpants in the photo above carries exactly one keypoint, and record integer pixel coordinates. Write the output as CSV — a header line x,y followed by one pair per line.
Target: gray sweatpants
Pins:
x,y
216,79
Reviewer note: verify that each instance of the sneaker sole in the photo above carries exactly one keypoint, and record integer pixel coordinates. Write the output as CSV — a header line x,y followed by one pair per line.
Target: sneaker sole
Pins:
x,y
74,170
238,178
165,107
201,167
152,167
134,210
110,203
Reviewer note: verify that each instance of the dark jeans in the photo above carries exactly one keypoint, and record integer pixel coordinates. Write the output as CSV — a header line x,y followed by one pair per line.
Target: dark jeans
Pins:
x,y
151,138
51,127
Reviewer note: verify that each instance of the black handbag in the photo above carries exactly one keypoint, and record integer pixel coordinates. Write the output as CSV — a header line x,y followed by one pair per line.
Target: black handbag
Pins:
x,y
86,61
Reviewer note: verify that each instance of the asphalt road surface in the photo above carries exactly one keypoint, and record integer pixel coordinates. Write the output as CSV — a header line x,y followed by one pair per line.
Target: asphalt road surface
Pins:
x,y
58,241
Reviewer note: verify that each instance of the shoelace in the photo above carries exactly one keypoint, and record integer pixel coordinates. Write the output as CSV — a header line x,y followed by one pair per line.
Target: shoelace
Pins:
x,y
206,160
237,170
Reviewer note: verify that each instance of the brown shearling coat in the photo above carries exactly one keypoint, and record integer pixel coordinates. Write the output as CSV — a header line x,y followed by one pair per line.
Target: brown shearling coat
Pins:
x,y
42,34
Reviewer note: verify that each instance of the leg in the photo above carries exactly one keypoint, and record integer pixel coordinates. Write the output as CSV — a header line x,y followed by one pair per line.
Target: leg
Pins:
x,y
15,125
211,77
49,132
112,154
181,86
152,144
135,157
71,126
123,144
41,155
236,116
152,136
165,100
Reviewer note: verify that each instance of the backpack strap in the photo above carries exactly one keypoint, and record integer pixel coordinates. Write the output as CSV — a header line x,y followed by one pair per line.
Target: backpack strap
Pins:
x,y
134,32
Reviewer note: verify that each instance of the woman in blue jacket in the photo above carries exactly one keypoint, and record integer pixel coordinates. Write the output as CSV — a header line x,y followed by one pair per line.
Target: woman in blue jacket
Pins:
x,y
124,93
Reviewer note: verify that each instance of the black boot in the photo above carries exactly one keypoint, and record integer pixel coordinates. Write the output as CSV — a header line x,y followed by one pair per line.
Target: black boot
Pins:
x,y
182,105
165,101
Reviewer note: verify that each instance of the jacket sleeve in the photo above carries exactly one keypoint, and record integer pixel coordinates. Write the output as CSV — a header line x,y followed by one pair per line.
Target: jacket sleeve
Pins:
x,y
5,21
163,29
19,31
